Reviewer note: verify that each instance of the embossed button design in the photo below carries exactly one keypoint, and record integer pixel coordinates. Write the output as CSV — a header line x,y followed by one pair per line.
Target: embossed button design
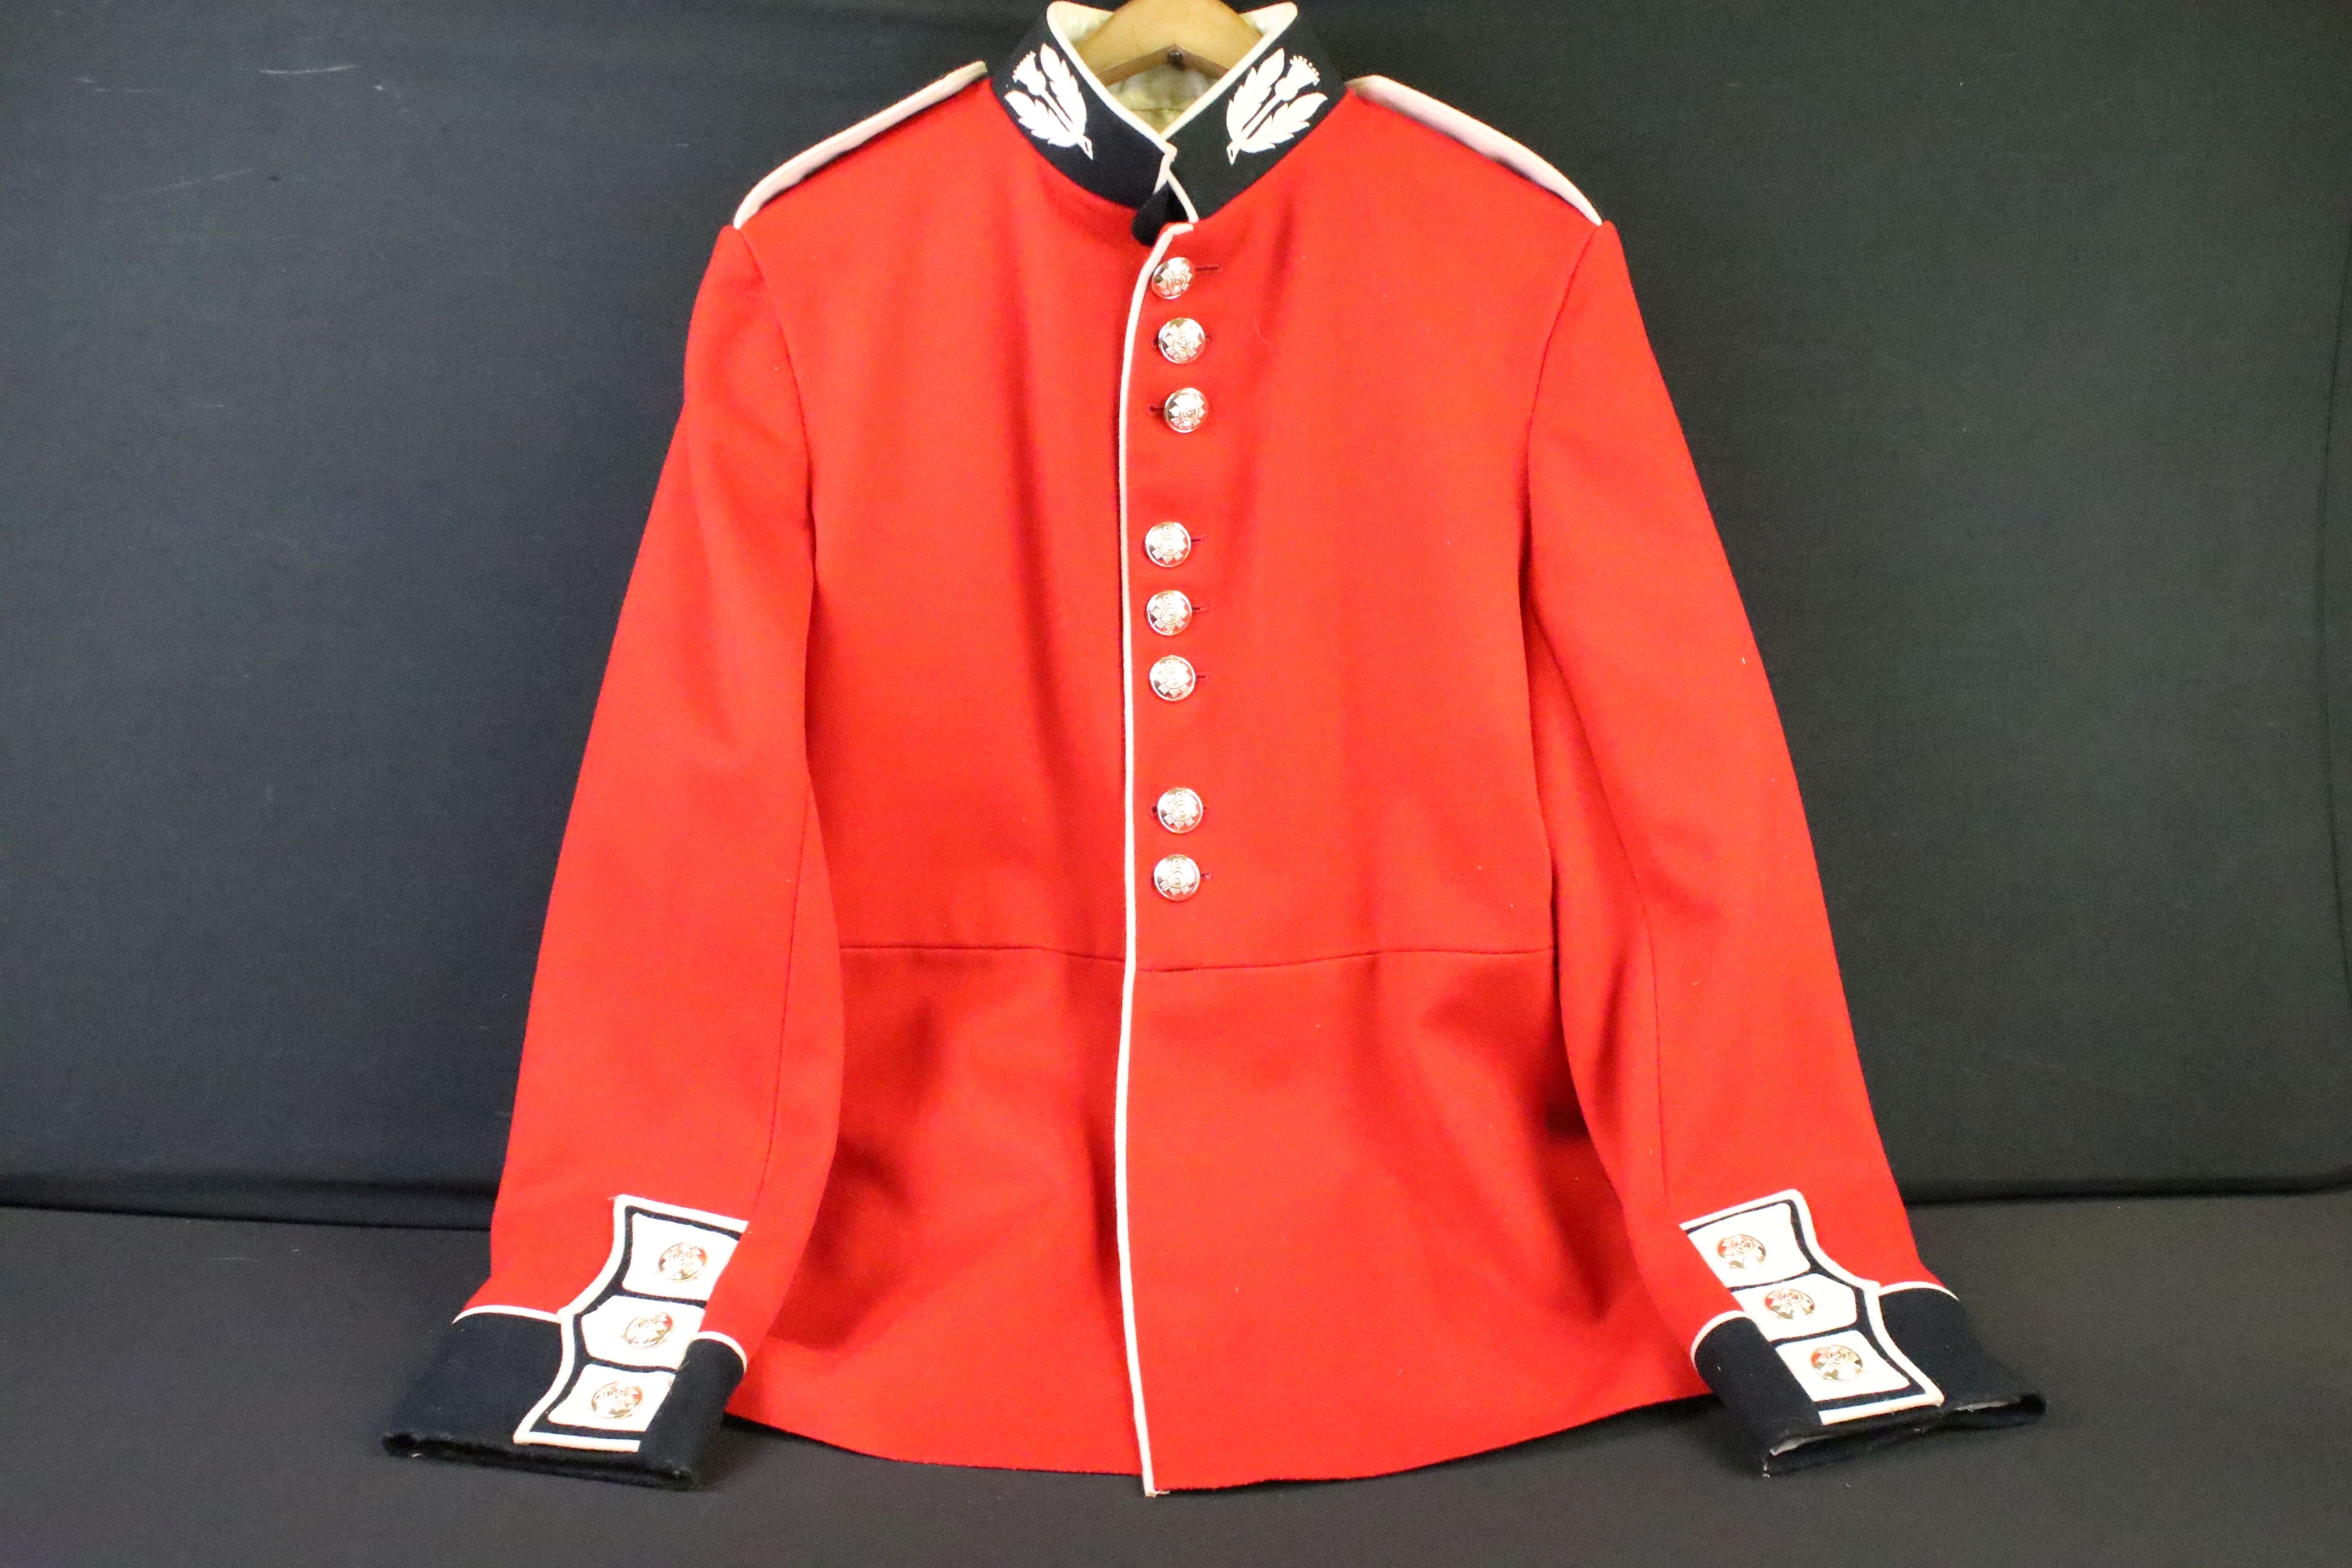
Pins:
x,y
647,1329
1740,1251
1172,278
1184,410
1169,611
1788,1302
1181,340
1167,543
1177,878
1173,676
616,1401
1836,1363
1179,809
682,1262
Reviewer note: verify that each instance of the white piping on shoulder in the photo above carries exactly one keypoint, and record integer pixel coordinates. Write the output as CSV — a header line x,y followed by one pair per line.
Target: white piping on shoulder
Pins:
x,y
1476,135
1126,782
800,166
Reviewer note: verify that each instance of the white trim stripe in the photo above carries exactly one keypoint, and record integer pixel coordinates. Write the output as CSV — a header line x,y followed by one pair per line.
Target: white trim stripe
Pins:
x,y
1474,134
1709,1327
800,166
1767,1201
1126,779
573,1440
512,1312
729,1341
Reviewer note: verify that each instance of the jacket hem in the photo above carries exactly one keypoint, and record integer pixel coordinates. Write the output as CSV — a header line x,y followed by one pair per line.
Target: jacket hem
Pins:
x,y
914,1447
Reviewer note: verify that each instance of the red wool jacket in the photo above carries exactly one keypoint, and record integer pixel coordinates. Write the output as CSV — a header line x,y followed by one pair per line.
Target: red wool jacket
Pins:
x,y
1185,865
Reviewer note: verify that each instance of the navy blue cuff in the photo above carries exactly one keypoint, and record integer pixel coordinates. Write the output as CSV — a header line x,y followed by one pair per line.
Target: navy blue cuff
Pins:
x,y
1791,1427
495,1370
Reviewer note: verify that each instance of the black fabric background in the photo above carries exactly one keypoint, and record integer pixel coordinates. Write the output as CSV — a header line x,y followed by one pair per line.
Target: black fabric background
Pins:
x,y
339,343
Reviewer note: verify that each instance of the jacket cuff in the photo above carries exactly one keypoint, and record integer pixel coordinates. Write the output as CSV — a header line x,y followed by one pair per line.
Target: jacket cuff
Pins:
x,y
502,1390
1934,1331
1911,1366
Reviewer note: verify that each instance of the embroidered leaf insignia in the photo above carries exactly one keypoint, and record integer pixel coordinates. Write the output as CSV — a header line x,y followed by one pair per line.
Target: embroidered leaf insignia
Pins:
x,y
1054,110
1272,105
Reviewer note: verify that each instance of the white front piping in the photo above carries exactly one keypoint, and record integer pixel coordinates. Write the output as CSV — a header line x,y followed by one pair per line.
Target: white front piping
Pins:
x,y
1127,784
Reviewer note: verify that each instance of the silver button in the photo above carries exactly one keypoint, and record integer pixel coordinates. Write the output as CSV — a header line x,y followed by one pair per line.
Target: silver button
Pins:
x,y
681,1262
1169,611
1172,278
1184,409
1167,543
1181,339
617,1401
1833,1363
1172,678
1739,1251
1176,878
1179,809
647,1329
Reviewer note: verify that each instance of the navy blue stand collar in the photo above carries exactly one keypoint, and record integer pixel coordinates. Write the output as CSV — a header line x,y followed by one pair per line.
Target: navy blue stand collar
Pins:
x,y
1250,116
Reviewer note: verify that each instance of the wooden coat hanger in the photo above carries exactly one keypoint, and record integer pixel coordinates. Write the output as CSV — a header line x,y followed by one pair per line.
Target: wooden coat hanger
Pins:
x,y
1192,35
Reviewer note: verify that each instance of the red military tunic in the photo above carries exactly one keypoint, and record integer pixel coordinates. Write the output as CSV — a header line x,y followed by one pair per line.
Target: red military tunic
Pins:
x,y
1185,865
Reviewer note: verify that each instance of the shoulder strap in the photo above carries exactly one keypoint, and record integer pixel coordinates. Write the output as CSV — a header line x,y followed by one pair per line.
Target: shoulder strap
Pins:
x,y
800,166
1477,136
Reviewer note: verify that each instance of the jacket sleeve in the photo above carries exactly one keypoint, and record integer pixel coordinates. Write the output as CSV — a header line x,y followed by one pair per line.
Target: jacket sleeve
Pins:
x,y
1706,1024
680,1077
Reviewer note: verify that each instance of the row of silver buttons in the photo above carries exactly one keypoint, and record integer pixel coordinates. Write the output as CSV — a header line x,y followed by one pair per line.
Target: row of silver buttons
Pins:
x,y
1167,611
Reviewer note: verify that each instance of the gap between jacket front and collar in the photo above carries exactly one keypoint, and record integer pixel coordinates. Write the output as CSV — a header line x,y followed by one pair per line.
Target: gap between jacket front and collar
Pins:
x,y
1220,143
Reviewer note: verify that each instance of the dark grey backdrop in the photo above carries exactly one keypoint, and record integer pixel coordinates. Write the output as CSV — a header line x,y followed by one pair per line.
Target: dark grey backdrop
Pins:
x,y
339,343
